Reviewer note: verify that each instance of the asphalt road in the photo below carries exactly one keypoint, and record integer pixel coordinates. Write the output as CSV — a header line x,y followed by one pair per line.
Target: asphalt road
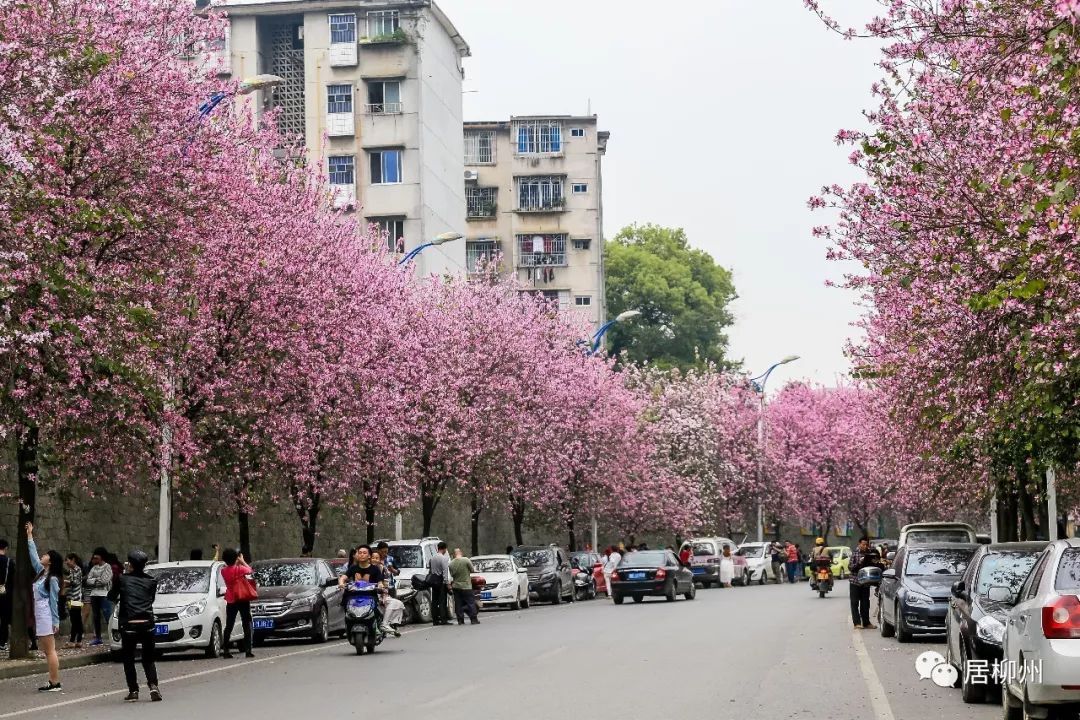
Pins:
x,y
751,653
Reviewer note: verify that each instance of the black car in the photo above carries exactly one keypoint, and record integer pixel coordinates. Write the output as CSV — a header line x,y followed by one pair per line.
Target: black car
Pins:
x,y
914,593
979,609
294,600
651,572
550,576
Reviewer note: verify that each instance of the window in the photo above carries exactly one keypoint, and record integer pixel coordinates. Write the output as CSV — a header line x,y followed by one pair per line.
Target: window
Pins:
x,y
582,243
583,301
385,167
480,253
535,250
539,137
343,28
480,202
540,193
480,147
342,169
384,97
394,231
577,132
580,188
381,23
339,99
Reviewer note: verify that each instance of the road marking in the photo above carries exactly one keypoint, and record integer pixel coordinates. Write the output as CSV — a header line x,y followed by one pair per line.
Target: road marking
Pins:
x,y
879,701
549,654
446,697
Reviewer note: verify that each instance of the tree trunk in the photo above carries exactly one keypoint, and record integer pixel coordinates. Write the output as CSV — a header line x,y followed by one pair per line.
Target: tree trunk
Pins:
x,y
571,535
244,523
1042,507
518,512
427,504
369,520
1006,511
26,462
1027,509
476,510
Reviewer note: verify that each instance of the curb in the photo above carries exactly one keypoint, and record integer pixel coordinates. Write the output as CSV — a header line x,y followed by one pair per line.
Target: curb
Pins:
x,y
39,667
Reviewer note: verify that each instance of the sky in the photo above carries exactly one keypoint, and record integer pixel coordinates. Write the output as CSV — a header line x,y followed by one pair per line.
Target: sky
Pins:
x,y
722,116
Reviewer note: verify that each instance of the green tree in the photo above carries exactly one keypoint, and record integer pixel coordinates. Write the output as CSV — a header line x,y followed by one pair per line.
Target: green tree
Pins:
x,y
683,296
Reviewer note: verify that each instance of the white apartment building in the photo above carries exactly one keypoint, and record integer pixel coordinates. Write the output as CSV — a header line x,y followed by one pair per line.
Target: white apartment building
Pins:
x,y
374,89
533,190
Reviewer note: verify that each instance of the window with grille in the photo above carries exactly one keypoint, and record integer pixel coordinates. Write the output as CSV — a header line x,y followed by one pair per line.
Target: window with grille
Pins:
x,y
480,202
384,97
343,28
583,300
539,137
339,99
582,243
540,193
480,147
480,254
382,23
536,250
393,229
386,167
342,169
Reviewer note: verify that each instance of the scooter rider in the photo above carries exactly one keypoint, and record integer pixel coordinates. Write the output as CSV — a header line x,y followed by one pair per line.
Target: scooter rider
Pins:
x,y
819,557
361,569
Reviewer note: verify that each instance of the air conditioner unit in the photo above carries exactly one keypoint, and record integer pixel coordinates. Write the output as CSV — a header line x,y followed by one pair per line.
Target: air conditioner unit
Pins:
x,y
471,176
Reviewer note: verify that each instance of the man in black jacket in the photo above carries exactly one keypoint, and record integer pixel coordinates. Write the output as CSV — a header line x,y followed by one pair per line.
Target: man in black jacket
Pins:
x,y
864,557
135,592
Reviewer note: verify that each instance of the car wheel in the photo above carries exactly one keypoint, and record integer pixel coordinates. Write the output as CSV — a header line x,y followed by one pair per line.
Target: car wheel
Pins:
x,y
617,599
761,579
706,584
884,629
516,605
692,593
213,648
902,633
969,691
321,632
423,606
639,598
557,600
670,594
526,602
1011,708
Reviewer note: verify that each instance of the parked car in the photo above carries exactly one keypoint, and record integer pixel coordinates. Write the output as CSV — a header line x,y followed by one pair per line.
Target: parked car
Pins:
x,y
1042,636
411,557
548,567
506,583
189,610
914,593
656,573
593,563
841,562
758,561
296,599
979,608
937,532
705,564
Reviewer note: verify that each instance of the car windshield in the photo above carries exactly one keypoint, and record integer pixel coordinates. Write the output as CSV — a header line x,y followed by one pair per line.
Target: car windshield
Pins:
x,y
534,558
704,548
835,553
1068,575
407,556
925,537
754,551
284,574
177,580
937,562
583,560
493,566
1005,569
644,558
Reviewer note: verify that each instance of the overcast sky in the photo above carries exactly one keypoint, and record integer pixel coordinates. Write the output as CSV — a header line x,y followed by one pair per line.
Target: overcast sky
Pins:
x,y
722,115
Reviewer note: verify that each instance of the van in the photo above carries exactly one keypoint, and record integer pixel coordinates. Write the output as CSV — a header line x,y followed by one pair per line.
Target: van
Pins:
x,y
937,532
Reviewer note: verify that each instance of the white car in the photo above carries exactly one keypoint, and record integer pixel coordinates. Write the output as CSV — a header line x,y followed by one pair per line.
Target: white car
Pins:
x,y
189,609
506,583
758,561
1041,644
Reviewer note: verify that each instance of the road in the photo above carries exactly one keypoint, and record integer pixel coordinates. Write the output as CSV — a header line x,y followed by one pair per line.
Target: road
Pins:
x,y
755,653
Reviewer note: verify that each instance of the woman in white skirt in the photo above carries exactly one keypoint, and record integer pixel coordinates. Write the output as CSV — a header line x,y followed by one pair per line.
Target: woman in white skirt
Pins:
x,y
727,567
49,568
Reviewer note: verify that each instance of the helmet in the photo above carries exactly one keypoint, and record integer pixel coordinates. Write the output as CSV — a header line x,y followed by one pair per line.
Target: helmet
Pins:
x,y
138,559
819,541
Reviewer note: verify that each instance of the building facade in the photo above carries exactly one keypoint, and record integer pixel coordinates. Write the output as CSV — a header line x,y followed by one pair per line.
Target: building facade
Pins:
x,y
373,87
533,194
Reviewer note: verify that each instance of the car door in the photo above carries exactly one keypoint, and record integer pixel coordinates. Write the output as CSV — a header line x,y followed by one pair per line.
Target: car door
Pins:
x,y
682,581
889,586
1022,622
960,607
335,612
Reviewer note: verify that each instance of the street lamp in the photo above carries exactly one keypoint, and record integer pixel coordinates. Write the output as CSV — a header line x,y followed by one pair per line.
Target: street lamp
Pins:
x,y
758,384
599,336
437,240
246,87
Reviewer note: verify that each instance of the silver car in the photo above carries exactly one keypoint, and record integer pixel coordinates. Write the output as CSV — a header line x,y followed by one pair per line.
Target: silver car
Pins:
x,y
1042,637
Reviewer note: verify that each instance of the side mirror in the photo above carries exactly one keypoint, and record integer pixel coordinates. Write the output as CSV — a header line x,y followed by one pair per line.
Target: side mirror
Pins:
x,y
330,582
999,593
958,589
890,556
890,573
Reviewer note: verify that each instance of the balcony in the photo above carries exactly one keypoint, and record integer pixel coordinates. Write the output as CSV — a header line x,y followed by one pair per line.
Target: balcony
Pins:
x,y
545,205
342,196
480,203
541,251
384,108
397,37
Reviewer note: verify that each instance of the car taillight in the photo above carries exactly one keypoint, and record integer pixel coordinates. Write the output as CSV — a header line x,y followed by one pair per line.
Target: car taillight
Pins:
x,y
714,561
1061,618
615,575
661,574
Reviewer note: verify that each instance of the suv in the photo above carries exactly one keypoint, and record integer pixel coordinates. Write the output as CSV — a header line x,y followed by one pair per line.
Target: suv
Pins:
x,y
548,567
411,557
937,532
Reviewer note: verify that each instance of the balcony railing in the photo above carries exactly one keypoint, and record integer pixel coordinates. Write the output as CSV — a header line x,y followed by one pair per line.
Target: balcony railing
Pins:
x,y
540,205
383,108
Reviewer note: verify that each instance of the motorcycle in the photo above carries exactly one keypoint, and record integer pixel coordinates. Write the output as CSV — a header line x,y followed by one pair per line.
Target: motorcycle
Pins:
x,y
823,577
584,585
362,616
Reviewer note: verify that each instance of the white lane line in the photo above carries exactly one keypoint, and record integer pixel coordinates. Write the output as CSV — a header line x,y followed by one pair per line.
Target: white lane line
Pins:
x,y
879,701
447,697
549,654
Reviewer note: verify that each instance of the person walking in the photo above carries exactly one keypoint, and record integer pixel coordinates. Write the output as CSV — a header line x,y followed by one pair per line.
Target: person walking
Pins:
x,y
7,576
46,593
439,580
613,560
777,558
238,596
134,592
461,570
727,567
73,581
99,582
859,595
792,564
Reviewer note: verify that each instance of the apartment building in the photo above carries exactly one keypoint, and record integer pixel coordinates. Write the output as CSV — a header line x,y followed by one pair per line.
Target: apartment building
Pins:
x,y
533,193
374,89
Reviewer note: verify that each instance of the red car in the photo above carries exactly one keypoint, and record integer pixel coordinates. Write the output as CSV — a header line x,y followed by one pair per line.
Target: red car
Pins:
x,y
584,560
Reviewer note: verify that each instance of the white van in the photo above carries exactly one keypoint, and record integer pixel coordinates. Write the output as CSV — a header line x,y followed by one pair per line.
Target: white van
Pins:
x,y
936,532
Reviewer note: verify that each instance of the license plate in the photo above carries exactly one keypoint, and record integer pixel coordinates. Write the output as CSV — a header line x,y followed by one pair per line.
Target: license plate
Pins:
x,y
699,571
636,576
485,596
161,629
262,624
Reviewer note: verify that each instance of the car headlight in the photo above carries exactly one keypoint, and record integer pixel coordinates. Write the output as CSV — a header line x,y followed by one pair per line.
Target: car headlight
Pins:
x,y
917,598
990,629
193,610
302,603
506,584
546,577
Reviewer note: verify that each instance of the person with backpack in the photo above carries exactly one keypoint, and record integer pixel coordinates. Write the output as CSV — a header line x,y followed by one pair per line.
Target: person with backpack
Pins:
x,y
239,592
46,593
135,592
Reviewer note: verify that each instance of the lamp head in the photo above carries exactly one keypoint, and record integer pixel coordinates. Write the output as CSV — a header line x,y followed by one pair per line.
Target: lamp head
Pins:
x,y
627,315
789,358
446,237
258,82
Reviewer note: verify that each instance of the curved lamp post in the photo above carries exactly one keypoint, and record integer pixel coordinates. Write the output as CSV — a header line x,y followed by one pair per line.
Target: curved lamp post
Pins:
x,y
437,240
758,384
599,336
246,87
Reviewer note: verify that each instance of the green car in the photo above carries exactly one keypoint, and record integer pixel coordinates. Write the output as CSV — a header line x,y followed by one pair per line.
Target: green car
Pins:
x,y
841,565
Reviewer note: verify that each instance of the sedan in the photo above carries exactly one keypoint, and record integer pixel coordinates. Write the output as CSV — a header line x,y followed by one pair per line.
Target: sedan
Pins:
x,y
506,584
651,572
297,598
979,609
758,561
1042,637
914,593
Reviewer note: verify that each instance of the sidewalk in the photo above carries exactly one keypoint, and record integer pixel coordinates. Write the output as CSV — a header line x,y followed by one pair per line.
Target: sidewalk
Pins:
x,y
35,664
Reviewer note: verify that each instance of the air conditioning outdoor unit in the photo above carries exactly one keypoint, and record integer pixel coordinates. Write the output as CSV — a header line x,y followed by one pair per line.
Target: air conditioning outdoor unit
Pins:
x,y
471,176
